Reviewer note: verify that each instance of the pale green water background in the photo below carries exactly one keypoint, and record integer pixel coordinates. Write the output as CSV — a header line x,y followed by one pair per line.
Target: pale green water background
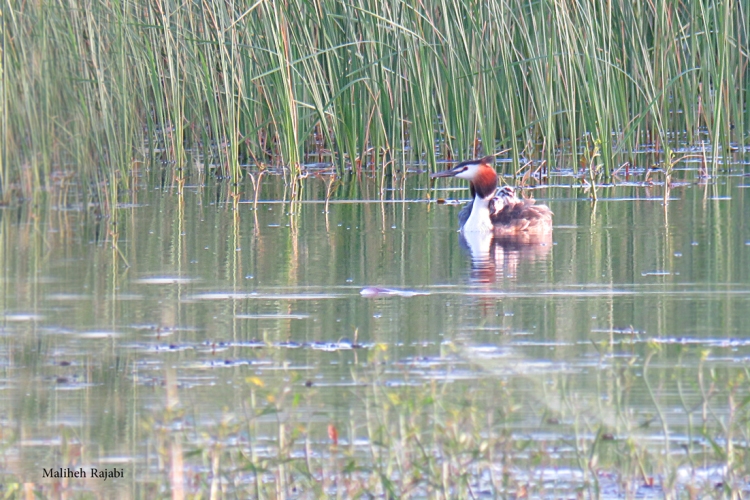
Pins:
x,y
225,311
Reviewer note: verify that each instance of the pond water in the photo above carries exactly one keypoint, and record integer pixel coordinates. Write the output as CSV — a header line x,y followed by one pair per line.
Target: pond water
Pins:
x,y
355,347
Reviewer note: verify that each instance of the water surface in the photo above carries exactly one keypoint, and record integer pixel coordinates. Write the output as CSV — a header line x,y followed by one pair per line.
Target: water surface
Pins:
x,y
229,345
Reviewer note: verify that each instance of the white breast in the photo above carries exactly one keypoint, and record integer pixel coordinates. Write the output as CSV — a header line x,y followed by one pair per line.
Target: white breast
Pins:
x,y
479,219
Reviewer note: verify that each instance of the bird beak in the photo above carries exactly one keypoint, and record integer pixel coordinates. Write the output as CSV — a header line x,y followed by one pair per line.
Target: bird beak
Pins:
x,y
450,173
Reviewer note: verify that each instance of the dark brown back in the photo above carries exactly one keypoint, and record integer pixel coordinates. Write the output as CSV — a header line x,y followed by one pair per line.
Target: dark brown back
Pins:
x,y
522,216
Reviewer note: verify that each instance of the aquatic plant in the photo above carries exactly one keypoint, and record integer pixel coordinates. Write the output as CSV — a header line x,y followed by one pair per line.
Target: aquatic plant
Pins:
x,y
93,92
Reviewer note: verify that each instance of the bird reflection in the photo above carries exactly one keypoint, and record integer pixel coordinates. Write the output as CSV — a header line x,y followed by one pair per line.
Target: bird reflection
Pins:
x,y
495,258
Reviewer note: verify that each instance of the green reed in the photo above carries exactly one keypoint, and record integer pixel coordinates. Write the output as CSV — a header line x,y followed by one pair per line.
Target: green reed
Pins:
x,y
91,87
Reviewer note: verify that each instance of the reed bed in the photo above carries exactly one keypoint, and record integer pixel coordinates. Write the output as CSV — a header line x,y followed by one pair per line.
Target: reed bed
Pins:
x,y
100,93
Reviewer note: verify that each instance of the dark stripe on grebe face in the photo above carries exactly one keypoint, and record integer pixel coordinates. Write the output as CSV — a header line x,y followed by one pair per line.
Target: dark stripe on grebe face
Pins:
x,y
468,163
507,194
452,172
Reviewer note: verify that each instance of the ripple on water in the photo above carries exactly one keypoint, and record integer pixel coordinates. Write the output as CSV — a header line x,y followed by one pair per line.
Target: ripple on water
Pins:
x,y
164,280
260,296
272,316
23,317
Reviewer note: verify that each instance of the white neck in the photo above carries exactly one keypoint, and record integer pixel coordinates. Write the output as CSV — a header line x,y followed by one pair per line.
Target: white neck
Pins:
x,y
479,219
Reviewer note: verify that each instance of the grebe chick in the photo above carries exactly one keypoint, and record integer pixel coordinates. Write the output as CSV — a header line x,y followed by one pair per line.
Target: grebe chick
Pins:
x,y
500,212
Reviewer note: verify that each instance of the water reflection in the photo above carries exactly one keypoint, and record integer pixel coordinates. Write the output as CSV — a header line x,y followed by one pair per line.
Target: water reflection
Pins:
x,y
497,258
235,323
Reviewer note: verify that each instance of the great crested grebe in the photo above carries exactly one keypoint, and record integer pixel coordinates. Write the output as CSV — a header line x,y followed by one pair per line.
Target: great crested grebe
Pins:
x,y
501,212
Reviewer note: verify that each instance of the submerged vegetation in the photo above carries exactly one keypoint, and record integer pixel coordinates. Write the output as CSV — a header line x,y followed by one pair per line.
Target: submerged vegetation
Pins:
x,y
504,435
93,89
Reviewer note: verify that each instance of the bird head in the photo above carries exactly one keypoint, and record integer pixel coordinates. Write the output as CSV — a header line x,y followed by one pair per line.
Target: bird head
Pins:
x,y
480,174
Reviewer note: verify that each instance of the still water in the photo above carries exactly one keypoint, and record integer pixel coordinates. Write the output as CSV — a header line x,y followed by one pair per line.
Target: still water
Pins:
x,y
210,344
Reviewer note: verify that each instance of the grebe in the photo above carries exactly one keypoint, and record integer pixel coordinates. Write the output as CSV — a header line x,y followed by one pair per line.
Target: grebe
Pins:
x,y
501,212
